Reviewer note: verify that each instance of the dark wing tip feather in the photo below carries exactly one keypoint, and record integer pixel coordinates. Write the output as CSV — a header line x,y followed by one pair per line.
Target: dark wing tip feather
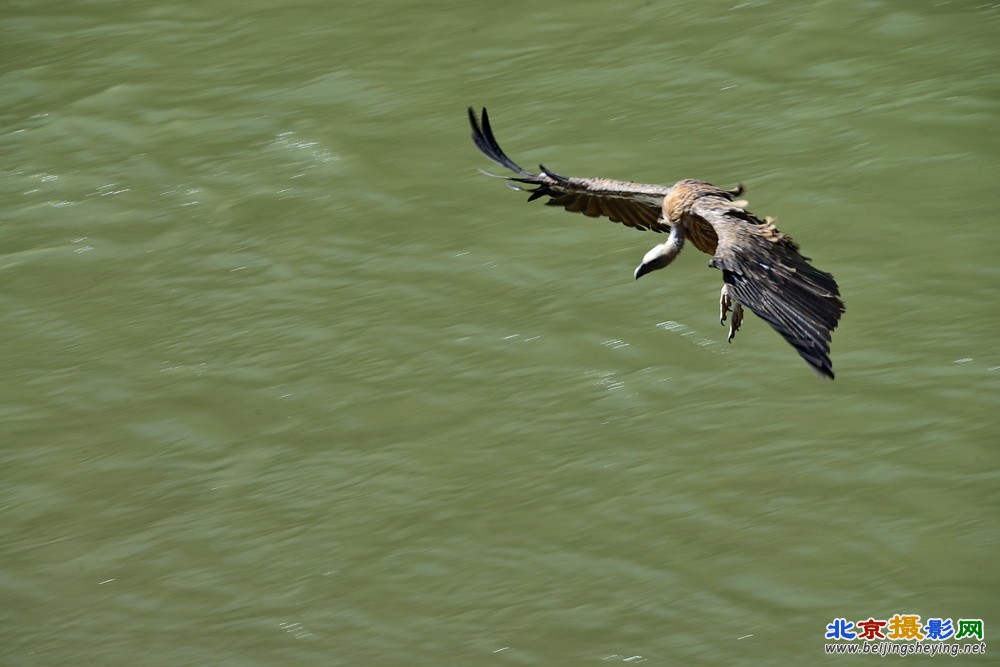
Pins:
x,y
482,136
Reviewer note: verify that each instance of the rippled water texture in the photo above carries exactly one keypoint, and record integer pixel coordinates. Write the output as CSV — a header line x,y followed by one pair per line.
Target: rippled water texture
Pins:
x,y
286,381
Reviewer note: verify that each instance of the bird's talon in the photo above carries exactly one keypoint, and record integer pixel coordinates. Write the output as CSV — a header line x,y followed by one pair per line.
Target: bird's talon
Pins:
x,y
724,304
736,322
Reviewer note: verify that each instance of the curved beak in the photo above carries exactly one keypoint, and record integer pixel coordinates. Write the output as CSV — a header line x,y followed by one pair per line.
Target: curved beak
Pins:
x,y
643,269
663,254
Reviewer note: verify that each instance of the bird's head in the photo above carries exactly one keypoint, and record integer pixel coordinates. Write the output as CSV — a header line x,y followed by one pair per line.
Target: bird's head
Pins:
x,y
653,260
663,254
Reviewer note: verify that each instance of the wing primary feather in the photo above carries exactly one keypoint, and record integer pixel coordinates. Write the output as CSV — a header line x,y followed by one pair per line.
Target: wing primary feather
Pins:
x,y
482,136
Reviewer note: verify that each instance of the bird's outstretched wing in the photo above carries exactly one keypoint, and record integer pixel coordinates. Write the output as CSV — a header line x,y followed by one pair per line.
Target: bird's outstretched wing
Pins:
x,y
635,205
766,273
